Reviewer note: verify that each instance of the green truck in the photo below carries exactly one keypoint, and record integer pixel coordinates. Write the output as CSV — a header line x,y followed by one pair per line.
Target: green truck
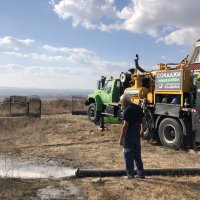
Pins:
x,y
105,99
108,91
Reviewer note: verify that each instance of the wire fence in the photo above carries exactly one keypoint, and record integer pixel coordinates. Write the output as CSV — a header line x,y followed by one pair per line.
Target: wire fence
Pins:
x,y
16,106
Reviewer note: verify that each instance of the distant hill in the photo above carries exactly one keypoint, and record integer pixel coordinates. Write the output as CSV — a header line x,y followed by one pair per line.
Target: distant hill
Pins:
x,y
44,94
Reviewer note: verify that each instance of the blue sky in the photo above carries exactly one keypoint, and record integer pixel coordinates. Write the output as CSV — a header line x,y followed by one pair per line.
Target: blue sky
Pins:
x,y
67,44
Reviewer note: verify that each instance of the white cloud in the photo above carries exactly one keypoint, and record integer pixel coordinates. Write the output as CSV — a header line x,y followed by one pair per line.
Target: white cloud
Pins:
x,y
88,13
67,50
44,57
83,57
75,59
16,54
172,22
12,67
26,41
55,65
14,43
43,71
69,60
73,55
182,36
34,56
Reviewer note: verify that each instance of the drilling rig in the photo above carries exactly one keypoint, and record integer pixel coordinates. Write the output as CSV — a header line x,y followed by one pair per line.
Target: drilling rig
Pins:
x,y
169,96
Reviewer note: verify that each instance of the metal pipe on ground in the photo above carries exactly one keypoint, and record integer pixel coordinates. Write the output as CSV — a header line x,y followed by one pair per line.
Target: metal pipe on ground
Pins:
x,y
80,173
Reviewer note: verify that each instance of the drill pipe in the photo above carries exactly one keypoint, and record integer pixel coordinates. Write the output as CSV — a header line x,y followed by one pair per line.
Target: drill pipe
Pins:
x,y
148,172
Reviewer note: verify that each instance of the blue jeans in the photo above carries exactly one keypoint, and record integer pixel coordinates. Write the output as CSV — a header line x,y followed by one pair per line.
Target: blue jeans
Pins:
x,y
132,153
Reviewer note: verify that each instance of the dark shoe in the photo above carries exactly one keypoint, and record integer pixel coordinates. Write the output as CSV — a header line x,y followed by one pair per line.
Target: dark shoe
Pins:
x,y
140,176
128,177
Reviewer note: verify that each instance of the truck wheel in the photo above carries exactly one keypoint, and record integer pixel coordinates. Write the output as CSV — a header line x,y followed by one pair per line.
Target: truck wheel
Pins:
x,y
93,114
170,133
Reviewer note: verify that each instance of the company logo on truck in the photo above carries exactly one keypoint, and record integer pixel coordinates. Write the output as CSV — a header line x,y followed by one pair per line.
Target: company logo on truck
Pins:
x,y
170,80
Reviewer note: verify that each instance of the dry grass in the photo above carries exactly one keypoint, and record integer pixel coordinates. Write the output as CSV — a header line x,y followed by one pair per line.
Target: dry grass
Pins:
x,y
15,189
73,141
152,188
59,106
63,106
55,107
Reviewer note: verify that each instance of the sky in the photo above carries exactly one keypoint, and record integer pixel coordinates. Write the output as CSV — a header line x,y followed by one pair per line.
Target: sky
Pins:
x,y
68,44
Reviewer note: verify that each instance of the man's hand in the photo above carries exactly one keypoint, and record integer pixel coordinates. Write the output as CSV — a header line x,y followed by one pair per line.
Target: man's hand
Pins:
x,y
144,124
123,132
121,141
142,133
143,128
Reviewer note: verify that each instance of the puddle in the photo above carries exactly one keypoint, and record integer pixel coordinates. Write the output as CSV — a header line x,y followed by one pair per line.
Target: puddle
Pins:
x,y
26,170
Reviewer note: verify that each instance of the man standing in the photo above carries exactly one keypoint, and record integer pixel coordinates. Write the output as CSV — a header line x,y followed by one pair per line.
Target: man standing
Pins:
x,y
133,126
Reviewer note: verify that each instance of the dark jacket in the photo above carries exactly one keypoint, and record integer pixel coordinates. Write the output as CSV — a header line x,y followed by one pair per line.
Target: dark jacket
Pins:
x,y
133,114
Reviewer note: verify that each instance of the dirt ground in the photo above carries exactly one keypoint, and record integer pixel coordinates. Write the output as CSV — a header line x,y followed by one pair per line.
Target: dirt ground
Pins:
x,y
73,141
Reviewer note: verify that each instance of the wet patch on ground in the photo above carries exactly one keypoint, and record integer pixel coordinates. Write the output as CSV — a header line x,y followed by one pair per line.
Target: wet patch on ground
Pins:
x,y
26,170
65,190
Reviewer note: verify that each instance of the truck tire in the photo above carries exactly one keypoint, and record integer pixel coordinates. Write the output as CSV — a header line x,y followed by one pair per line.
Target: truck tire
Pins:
x,y
170,133
93,114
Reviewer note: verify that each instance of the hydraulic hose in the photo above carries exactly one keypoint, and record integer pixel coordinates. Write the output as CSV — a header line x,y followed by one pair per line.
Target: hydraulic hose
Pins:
x,y
148,172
